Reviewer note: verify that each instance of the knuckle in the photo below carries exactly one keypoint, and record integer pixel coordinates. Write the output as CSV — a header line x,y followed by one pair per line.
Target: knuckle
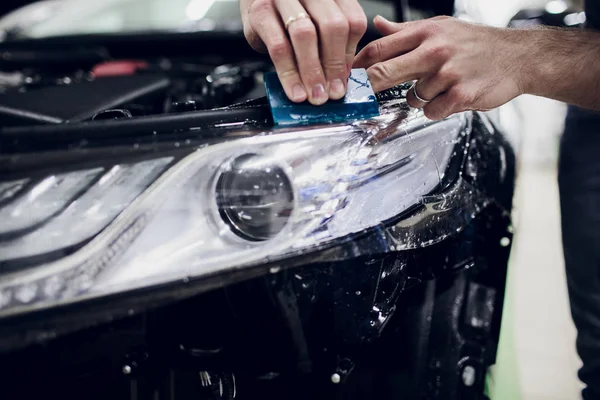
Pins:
x,y
382,72
438,51
303,30
448,75
337,26
279,49
357,24
374,50
254,40
430,29
260,7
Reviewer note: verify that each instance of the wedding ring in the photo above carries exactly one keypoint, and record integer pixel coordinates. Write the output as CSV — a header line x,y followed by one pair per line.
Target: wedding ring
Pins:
x,y
422,100
291,20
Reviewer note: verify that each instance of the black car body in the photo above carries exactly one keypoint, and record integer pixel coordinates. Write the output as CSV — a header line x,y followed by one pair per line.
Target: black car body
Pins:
x,y
161,239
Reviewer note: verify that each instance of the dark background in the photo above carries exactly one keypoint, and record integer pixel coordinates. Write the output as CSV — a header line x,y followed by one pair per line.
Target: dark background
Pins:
x,y
9,5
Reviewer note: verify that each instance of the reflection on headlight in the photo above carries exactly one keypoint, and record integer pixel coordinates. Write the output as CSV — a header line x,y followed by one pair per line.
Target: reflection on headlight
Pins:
x,y
44,200
231,205
81,217
11,188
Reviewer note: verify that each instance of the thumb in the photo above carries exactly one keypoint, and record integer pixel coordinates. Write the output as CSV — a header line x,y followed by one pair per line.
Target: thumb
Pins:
x,y
386,27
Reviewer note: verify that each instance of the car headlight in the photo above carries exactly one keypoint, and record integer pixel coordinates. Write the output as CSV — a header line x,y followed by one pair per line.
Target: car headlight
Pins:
x,y
99,231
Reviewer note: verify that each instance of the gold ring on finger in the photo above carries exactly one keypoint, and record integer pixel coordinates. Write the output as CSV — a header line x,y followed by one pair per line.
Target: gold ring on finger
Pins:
x,y
298,17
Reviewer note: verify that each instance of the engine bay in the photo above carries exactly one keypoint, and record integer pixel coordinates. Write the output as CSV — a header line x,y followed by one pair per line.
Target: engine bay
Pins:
x,y
124,89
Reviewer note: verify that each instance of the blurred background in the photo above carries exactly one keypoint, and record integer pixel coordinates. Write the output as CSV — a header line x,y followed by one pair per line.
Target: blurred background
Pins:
x,y
537,359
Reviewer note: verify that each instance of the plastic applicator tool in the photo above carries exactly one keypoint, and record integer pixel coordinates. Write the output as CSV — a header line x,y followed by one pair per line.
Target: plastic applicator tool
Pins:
x,y
359,103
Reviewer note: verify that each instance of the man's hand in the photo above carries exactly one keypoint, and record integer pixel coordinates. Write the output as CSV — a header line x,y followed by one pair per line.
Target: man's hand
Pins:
x,y
314,57
458,65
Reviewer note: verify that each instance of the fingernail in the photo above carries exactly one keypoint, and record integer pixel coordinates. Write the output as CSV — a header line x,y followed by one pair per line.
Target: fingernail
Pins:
x,y
337,89
318,93
298,92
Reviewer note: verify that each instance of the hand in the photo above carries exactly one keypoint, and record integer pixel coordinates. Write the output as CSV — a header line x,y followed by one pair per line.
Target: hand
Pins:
x,y
458,65
314,57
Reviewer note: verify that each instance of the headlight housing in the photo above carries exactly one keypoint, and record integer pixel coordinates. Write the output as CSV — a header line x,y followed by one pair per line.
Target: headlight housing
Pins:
x,y
224,206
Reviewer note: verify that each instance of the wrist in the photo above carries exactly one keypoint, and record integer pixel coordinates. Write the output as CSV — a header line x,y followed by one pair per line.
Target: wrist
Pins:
x,y
526,61
538,61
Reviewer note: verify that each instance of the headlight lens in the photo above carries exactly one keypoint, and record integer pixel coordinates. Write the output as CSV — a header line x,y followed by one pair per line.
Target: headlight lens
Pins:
x,y
68,209
254,197
224,206
44,200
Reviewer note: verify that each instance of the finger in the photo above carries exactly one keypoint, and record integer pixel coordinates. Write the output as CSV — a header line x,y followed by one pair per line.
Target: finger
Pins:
x,y
333,37
266,24
389,47
408,67
441,107
357,22
387,27
401,38
303,35
458,98
427,88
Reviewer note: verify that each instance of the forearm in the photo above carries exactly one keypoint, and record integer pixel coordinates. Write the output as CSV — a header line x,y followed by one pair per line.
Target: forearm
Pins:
x,y
563,65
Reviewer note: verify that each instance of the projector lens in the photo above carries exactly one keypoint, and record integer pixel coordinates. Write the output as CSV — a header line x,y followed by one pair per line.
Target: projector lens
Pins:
x,y
254,197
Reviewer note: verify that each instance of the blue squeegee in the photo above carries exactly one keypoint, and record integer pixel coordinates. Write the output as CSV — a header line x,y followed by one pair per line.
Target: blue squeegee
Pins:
x,y
359,103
